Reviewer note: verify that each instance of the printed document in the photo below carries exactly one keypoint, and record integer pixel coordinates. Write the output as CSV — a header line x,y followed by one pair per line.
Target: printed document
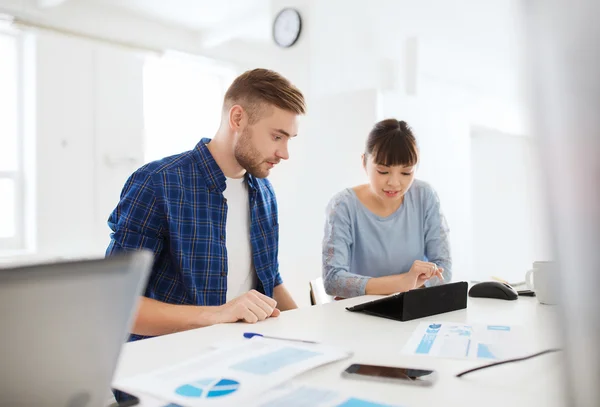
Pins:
x,y
231,375
465,341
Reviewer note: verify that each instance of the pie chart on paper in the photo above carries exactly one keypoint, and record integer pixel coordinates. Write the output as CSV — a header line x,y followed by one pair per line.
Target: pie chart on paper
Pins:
x,y
208,388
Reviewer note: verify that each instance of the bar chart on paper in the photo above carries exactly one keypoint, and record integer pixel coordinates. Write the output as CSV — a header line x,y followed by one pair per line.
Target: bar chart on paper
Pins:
x,y
272,362
465,341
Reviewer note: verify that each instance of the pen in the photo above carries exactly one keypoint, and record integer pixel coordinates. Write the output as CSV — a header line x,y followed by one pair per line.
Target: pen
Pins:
x,y
253,334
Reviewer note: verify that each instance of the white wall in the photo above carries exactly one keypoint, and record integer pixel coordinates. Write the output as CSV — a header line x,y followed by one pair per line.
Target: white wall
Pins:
x,y
442,131
325,158
88,114
509,218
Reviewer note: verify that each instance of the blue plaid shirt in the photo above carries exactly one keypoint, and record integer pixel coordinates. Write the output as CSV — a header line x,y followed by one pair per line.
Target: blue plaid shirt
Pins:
x,y
176,208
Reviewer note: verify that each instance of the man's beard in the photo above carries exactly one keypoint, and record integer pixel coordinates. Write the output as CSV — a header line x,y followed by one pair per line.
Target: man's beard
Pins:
x,y
249,157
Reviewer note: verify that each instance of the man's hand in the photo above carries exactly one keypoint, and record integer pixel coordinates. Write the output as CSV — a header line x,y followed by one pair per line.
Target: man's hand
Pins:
x,y
422,271
250,307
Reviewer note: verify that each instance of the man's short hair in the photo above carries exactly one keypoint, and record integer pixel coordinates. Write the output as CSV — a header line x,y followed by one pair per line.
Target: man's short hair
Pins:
x,y
259,89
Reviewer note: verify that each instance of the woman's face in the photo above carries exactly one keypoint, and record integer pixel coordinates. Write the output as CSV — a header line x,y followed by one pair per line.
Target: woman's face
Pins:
x,y
388,183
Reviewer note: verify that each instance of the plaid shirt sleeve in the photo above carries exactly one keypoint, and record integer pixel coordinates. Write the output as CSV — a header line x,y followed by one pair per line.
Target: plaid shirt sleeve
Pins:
x,y
136,222
277,277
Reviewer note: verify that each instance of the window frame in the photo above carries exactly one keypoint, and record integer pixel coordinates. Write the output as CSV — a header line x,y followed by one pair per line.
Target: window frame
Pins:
x,y
17,241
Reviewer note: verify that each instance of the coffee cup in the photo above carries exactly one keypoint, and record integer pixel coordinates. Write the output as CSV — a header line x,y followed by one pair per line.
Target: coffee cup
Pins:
x,y
542,279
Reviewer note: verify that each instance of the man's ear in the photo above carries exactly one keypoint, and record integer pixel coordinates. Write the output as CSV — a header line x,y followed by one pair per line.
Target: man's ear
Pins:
x,y
364,161
236,118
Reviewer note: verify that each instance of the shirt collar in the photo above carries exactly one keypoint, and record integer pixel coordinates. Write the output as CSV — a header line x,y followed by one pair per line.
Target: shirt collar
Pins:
x,y
213,174
252,182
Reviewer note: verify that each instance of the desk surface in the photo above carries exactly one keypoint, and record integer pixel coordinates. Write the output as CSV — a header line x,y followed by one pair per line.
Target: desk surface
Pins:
x,y
379,341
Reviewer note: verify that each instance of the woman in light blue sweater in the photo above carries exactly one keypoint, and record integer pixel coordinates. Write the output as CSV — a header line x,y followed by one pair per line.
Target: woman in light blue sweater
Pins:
x,y
389,235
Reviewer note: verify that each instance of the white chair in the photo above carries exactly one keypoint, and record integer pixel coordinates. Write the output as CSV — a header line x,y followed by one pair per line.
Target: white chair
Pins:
x,y
318,295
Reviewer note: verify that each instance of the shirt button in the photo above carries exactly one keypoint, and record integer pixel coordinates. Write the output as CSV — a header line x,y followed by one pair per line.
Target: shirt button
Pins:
x,y
222,237
223,273
225,200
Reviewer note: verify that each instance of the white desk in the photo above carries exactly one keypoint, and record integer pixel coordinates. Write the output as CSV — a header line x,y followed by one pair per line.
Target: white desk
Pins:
x,y
374,340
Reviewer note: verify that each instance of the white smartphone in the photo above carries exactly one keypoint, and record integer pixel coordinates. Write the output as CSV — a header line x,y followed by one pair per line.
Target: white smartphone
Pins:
x,y
418,377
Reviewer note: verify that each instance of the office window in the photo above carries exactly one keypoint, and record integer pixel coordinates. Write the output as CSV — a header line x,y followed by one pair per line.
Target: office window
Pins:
x,y
183,98
11,177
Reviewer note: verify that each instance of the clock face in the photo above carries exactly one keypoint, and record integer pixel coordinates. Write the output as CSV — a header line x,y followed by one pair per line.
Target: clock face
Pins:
x,y
287,27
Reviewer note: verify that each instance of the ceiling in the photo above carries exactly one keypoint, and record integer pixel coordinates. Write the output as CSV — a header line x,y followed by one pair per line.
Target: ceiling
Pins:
x,y
218,20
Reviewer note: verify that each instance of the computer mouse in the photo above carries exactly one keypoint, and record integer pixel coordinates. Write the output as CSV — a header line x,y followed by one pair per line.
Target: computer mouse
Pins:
x,y
493,289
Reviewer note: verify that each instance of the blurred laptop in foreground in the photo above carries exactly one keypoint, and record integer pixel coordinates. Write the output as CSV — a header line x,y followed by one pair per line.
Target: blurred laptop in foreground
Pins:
x,y
63,325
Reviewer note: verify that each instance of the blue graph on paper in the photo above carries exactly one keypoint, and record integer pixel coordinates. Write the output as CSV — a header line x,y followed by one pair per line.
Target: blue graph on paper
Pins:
x,y
208,388
503,328
354,402
484,352
274,361
461,330
426,343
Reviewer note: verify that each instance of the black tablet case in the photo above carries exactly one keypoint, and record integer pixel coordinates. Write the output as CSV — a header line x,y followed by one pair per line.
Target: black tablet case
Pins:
x,y
417,303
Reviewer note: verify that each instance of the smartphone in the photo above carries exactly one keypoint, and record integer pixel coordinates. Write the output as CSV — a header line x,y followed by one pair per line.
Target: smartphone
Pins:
x,y
418,377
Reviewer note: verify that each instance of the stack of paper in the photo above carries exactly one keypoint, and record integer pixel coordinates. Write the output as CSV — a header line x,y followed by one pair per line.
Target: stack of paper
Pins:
x,y
232,375
295,395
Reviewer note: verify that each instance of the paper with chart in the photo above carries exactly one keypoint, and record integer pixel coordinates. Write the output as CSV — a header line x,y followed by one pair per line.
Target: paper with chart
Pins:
x,y
465,341
296,395
293,394
231,375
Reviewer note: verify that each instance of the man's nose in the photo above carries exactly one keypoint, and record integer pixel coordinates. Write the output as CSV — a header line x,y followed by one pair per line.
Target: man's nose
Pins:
x,y
283,153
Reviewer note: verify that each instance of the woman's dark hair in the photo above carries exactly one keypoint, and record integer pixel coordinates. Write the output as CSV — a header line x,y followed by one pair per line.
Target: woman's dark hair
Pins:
x,y
391,142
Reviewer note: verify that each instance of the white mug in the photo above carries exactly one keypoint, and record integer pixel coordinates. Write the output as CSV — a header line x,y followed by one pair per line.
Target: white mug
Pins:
x,y
543,283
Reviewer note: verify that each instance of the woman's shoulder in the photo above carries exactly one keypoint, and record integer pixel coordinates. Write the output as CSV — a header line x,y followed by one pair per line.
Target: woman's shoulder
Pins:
x,y
423,188
342,196
343,199
424,192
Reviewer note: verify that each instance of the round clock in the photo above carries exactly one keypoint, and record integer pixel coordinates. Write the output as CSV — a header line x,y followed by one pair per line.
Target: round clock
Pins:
x,y
287,27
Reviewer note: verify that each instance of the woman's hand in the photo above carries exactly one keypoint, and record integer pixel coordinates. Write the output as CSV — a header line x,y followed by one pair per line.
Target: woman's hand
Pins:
x,y
422,271
419,273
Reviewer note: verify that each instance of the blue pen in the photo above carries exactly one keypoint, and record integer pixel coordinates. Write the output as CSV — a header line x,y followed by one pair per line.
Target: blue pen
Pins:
x,y
253,334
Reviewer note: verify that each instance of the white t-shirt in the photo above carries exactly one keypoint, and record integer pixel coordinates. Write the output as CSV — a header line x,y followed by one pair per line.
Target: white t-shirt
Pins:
x,y
241,276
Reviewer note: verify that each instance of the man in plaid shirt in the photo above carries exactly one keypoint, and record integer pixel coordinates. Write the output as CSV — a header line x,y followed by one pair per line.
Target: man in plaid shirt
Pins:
x,y
210,216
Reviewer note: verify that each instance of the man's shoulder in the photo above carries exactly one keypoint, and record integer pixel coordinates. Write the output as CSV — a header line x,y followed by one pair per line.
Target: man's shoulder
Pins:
x,y
183,166
185,160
